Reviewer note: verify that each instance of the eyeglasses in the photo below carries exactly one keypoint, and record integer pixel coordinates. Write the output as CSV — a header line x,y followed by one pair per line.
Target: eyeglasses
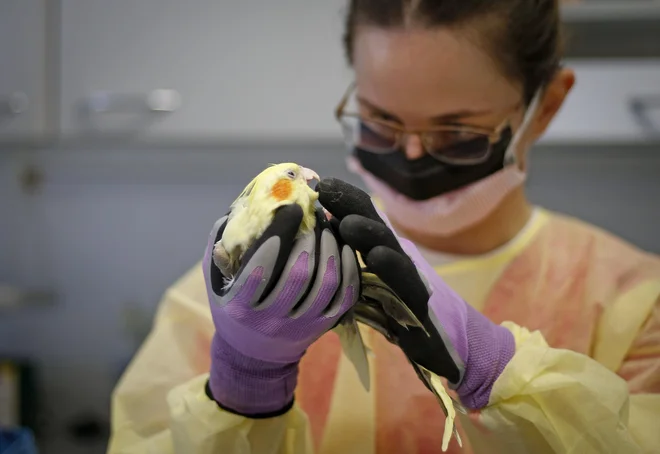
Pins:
x,y
450,144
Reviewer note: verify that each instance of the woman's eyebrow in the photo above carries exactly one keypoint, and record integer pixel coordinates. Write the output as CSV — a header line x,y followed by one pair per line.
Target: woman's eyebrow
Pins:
x,y
443,118
371,106
459,115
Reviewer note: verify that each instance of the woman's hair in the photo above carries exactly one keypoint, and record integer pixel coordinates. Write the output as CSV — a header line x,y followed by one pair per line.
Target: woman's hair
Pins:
x,y
522,36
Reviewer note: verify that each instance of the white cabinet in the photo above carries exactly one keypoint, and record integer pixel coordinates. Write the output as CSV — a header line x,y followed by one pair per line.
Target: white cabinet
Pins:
x,y
202,69
611,101
22,69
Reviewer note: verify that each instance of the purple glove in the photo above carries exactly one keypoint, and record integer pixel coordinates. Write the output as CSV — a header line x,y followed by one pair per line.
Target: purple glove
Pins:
x,y
285,296
464,346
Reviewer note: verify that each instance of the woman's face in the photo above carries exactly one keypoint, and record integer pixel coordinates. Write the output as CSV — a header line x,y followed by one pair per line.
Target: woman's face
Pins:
x,y
421,78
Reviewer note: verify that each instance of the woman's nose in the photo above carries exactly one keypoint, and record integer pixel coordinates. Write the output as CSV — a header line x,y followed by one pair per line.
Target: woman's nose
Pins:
x,y
414,148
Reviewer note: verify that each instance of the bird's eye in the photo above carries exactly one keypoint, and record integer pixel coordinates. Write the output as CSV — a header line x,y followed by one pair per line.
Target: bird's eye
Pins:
x,y
291,173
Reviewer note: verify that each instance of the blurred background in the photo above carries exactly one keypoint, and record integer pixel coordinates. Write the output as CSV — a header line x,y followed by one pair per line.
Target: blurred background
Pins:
x,y
127,128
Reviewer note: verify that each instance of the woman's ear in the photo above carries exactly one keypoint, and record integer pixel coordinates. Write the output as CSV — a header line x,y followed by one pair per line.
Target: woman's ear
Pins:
x,y
553,98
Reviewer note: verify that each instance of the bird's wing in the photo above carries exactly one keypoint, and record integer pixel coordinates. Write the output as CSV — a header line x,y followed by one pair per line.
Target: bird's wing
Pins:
x,y
354,348
373,311
374,288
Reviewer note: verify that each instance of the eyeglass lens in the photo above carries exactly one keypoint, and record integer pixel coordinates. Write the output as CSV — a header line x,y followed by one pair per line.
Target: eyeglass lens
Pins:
x,y
452,145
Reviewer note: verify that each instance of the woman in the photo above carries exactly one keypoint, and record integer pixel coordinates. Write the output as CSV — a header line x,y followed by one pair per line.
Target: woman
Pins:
x,y
558,350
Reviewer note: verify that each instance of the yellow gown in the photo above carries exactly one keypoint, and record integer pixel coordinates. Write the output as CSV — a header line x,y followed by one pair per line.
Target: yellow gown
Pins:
x,y
584,308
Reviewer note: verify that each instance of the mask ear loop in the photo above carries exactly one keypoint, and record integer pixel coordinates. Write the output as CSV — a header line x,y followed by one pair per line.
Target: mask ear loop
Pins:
x,y
510,154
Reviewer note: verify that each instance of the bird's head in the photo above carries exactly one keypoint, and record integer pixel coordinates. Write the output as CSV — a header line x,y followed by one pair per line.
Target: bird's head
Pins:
x,y
282,184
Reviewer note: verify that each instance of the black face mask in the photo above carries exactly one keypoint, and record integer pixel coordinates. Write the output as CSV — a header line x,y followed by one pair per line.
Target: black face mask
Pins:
x,y
427,177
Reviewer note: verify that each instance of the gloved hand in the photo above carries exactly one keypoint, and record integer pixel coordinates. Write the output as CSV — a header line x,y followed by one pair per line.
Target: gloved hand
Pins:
x,y
286,294
464,346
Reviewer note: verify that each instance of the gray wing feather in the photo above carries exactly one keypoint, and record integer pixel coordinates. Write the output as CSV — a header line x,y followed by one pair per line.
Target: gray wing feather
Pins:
x,y
375,289
354,348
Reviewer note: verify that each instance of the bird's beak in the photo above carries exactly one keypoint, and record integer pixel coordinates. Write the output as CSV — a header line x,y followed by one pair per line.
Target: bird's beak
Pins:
x,y
310,175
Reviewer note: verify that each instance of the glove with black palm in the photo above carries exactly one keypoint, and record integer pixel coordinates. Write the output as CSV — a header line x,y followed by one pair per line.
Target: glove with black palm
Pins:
x,y
455,341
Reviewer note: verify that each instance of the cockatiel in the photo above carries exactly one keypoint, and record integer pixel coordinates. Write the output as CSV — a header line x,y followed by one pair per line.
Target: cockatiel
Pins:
x,y
253,210
250,215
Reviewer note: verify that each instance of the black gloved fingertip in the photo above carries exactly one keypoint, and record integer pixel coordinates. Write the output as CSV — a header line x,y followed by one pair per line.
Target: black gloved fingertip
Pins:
x,y
292,213
326,184
342,199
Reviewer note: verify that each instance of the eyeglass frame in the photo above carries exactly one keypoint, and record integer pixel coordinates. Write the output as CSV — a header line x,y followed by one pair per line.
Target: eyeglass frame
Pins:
x,y
493,134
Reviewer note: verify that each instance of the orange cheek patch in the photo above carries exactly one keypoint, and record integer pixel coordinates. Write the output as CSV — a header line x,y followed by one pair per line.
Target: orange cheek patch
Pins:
x,y
281,190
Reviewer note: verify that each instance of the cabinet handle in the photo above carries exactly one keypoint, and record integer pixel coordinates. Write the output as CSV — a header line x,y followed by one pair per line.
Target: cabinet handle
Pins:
x,y
640,107
160,100
13,104
14,297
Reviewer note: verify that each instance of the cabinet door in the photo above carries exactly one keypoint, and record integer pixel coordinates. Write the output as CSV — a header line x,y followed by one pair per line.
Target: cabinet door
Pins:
x,y
202,69
22,68
610,101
